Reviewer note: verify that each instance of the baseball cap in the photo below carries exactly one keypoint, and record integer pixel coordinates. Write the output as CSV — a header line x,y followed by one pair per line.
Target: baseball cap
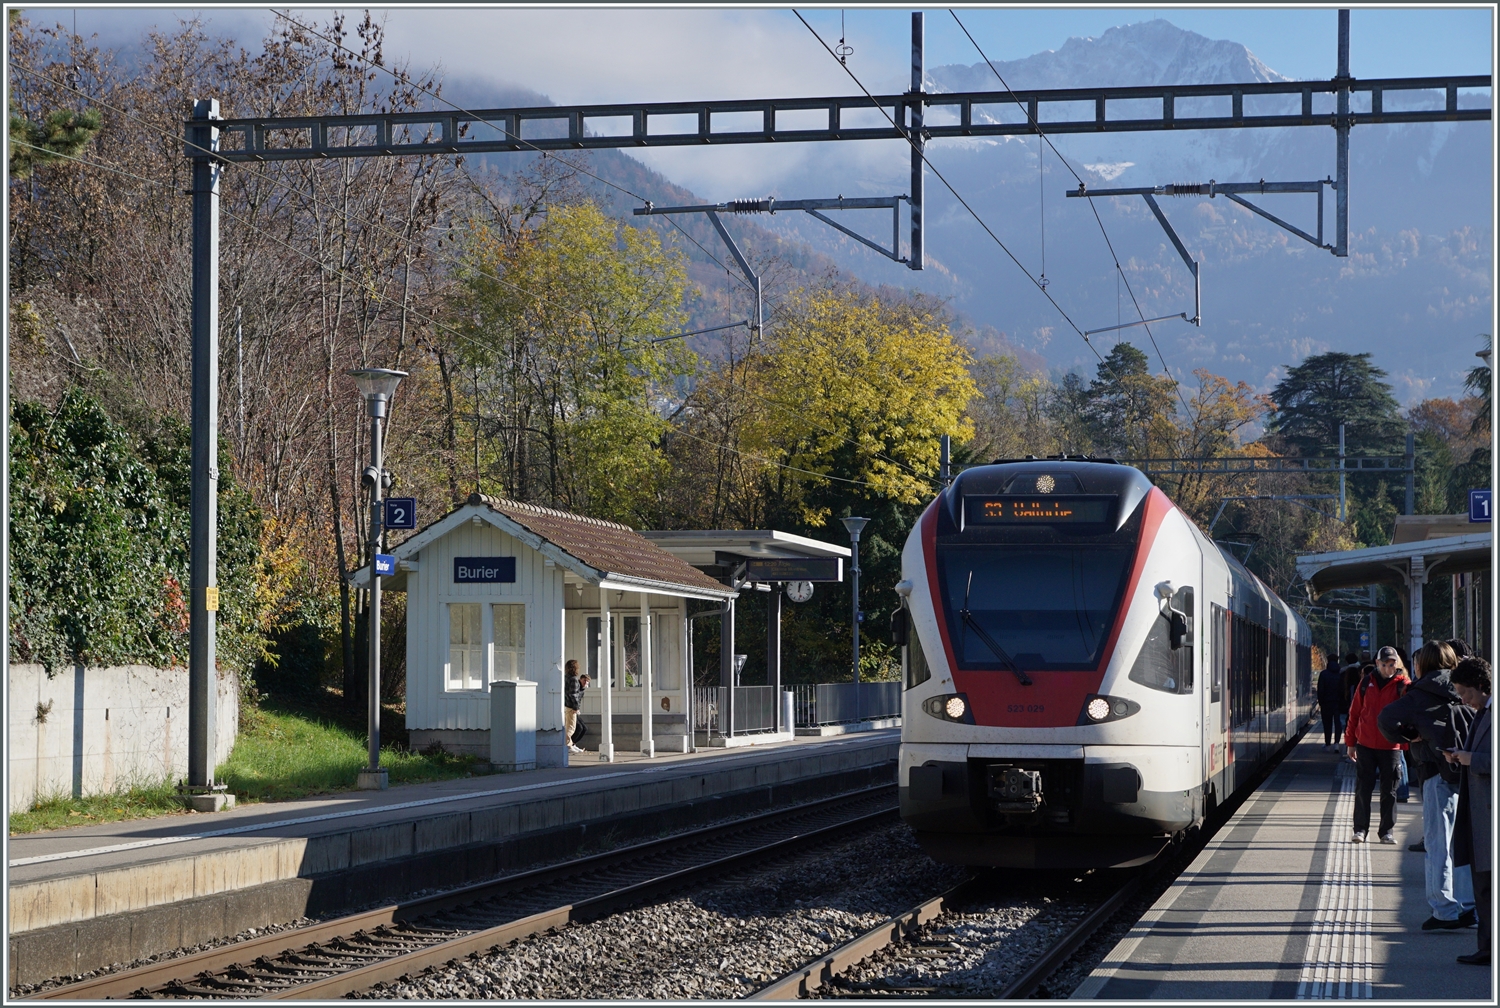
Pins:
x,y
1388,654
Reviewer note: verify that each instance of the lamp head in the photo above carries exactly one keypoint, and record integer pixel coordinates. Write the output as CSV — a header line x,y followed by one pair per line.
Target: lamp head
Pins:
x,y
377,385
855,527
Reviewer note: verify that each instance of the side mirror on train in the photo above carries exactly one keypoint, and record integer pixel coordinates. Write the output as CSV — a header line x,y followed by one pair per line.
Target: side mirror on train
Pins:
x,y
899,627
1179,630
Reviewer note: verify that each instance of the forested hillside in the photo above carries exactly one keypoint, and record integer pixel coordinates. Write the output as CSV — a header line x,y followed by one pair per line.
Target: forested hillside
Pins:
x,y
535,320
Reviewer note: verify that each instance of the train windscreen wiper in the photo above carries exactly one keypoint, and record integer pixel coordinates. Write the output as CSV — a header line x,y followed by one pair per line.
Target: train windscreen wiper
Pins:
x,y
984,636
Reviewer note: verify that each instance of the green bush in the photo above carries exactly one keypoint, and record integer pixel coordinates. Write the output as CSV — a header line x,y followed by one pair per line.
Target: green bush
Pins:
x,y
100,525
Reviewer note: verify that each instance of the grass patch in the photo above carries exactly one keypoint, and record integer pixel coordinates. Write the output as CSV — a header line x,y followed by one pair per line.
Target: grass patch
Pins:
x,y
284,750
285,753
136,803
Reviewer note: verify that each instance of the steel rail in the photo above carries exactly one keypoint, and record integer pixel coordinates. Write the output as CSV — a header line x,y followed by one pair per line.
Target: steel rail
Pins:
x,y
159,976
1031,978
804,980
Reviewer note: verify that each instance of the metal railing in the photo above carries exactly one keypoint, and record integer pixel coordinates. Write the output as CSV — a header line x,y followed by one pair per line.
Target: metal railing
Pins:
x,y
813,705
834,703
754,709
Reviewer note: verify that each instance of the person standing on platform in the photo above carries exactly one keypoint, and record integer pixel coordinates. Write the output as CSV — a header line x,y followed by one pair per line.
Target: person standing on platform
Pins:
x,y
572,700
1471,833
1354,671
1428,717
1333,702
1403,767
1371,751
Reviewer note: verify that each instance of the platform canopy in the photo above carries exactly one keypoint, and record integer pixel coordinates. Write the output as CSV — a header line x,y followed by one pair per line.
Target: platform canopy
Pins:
x,y
1401,565
721,552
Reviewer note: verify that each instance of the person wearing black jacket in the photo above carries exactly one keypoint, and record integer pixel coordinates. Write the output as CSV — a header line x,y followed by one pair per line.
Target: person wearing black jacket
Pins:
x,y
573,685
1426,716
1333,703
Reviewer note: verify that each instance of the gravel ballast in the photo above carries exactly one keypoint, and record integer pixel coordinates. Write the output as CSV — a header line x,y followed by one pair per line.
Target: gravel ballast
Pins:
x,y
721,941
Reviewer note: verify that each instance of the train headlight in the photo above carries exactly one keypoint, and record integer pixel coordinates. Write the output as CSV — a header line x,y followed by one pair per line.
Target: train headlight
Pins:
x,y
1097,709
949,707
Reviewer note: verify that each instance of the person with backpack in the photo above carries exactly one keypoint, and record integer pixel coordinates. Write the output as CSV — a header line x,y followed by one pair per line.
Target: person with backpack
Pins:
x,y
1472,833
1333,702
1371,751
1432,718
573,687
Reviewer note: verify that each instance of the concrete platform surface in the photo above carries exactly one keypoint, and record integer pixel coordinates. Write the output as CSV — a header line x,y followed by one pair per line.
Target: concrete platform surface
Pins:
x,y
93,895
1281,905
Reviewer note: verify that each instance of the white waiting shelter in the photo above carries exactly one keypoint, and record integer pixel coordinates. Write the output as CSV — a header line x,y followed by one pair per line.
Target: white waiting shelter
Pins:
x,y
502,590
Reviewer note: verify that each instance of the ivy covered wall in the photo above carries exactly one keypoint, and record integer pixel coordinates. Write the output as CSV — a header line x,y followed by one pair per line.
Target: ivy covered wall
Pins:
x,y
99,542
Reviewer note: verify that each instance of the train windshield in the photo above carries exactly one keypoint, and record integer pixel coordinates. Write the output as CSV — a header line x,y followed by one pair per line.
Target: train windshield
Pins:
x,y
1044,607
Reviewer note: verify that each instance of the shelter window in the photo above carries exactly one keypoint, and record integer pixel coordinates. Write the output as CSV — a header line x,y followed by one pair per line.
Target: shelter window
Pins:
x,y
510,641
465,647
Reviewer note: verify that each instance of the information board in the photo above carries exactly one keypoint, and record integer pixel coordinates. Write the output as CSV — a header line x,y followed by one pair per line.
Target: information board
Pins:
x,y
400,512
1479,506
795,569
484,570
1038,509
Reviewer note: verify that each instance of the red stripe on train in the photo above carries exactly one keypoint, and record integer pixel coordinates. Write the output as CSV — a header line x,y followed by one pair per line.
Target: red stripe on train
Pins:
x,y
1054,701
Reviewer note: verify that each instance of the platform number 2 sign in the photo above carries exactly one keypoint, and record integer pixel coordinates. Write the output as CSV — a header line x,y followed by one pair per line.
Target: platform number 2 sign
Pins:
x,y
401,512
1479,506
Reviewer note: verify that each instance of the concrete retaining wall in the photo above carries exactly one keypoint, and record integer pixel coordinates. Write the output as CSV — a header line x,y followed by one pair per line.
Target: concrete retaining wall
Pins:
x,y
72,924
88,731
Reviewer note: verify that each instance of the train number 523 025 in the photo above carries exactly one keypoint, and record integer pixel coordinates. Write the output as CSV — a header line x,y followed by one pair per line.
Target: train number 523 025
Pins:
x,y
1031,708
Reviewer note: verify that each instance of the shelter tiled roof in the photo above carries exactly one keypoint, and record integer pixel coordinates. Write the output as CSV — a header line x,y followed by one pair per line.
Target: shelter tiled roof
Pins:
x,y
605,546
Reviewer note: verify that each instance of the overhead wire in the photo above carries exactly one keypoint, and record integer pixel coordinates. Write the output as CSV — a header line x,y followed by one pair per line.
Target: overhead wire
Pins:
x,y
905,134
514,137
431,320
293,190
518,139
1119,271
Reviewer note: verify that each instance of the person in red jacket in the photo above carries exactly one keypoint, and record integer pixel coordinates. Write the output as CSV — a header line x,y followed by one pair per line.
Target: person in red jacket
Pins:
x,y
1369,749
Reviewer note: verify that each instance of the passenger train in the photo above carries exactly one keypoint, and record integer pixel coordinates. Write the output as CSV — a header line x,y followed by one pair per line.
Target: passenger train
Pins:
x,y
1086,674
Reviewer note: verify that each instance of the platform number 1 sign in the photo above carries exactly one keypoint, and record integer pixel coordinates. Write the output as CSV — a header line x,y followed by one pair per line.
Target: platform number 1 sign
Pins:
x,y
401,512
1479,505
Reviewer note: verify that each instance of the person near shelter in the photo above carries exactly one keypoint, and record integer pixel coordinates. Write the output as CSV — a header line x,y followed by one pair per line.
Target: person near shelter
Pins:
x,y
1471,834
1427,717
1371,751
1333,702
572,699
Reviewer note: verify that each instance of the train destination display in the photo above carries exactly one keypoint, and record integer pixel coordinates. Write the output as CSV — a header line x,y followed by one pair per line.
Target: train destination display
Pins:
x,y
1028,509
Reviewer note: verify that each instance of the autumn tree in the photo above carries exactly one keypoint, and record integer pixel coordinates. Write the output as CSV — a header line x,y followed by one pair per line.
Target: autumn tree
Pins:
x,y
559,322
857,387
1128,410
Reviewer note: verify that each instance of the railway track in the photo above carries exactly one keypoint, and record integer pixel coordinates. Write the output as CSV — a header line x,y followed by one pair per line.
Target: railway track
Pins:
x,y
353,953
907,926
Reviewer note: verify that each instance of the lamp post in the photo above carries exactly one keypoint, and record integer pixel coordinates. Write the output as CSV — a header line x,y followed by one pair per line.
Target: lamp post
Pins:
x,y
377,385
855,527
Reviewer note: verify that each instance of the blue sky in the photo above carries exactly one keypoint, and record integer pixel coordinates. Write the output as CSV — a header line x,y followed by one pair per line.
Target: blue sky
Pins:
x,y
593,55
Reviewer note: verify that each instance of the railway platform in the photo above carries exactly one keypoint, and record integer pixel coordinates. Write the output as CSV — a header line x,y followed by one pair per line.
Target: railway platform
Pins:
x,y
1281,905
92,896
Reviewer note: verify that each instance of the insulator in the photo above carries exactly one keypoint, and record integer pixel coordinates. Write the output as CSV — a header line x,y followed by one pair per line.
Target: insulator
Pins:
x,y
750,206
1188,189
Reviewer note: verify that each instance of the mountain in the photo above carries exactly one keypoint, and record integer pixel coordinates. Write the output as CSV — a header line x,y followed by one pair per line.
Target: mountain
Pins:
x,y
1416,289
1147,53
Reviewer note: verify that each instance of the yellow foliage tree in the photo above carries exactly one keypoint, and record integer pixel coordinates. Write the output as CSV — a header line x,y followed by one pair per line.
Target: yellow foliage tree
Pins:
x,y
856,387
561,319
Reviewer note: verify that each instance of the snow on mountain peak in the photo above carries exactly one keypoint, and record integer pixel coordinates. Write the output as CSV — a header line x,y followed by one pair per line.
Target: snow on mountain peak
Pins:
x,y
1145,53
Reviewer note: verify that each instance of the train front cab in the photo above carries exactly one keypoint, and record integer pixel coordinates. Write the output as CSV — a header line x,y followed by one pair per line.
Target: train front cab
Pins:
x,y
1015,787
1037,782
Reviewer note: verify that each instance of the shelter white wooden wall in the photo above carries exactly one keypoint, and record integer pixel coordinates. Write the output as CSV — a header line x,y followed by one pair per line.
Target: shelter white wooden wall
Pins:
x,y
430,589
